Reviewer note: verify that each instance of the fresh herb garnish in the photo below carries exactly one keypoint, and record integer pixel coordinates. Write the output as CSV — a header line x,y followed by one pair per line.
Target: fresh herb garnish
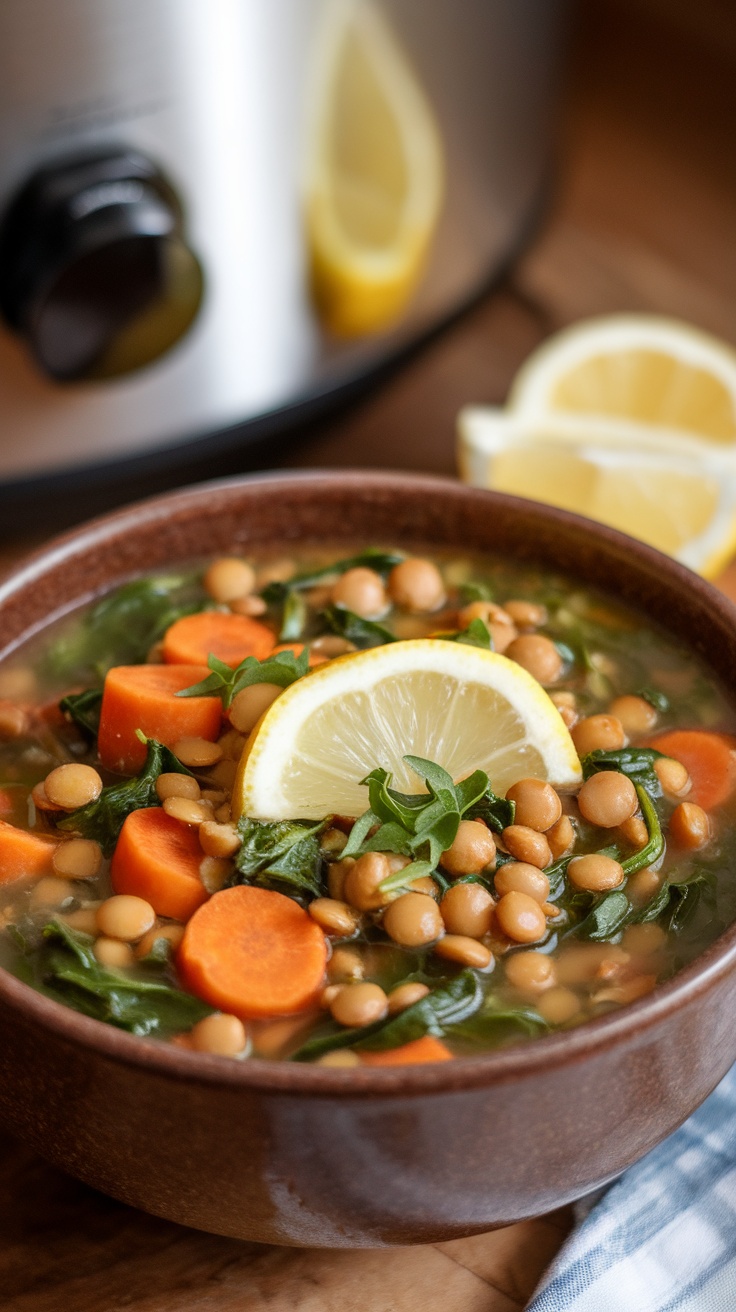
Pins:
x,y
382,562
447,1005
122,627
83,708
477,634
64,966
362,633
103,819
283,669
418,825
281,854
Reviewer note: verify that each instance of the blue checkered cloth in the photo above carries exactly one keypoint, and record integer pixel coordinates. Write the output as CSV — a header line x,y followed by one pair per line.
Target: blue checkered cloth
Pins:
x,y
663,1237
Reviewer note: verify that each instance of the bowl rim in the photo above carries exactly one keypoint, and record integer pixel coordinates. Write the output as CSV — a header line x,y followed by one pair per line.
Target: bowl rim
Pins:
x,y
546,1053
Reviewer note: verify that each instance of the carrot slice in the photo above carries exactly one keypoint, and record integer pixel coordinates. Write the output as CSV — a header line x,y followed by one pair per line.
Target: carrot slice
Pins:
x,y
709,760
254,953
144,697
22,853
415,1053
8,798
189,641
157,858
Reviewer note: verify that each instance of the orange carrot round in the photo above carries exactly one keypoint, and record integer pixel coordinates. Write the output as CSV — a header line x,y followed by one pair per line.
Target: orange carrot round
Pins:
x,y
414,1053
254,953
23,853
144,697
157,858
189,641
709,759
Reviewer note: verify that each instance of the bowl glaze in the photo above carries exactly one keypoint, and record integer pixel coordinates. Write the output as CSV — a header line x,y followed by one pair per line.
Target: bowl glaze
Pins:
x,y
316,1156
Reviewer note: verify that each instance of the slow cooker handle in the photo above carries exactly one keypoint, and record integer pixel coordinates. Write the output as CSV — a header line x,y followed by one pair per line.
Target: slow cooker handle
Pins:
x,y
95,271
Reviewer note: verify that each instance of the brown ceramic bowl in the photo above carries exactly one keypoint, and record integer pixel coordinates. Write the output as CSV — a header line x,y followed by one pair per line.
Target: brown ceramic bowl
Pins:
x,y
317,1156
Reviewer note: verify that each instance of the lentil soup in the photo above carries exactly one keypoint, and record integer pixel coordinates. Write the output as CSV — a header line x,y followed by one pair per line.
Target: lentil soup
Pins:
x,y
436,924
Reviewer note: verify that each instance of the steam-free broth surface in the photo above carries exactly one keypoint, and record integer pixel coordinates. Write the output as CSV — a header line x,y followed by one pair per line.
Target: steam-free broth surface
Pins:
x,y
452,915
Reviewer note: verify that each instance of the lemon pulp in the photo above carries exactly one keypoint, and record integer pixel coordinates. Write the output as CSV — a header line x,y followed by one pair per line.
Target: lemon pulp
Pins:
x,y
462,707
374,177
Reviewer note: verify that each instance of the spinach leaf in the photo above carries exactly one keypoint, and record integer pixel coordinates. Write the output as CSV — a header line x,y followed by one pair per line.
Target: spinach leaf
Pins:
x,y
362,633
474,591
282,668
685,896
103,819
653,848
495,1023
477,634
497,812
607,917
293,618
635,762
84,709
122,627
447,1005
64,966
281,853
372,558
657,699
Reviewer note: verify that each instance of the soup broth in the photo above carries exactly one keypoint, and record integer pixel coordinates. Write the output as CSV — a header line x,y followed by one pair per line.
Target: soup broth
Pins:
x,y
134,890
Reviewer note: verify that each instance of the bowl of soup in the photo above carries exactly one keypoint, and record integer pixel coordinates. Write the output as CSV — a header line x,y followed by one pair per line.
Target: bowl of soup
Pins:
x,y
366,856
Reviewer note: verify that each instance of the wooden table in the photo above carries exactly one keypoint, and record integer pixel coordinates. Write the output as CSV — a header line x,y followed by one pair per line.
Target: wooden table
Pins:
x,y
645,219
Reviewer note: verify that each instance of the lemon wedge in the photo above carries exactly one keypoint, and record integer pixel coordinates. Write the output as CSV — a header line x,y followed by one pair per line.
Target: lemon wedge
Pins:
x,y
460,706
642,369
628,419
667,490
374,174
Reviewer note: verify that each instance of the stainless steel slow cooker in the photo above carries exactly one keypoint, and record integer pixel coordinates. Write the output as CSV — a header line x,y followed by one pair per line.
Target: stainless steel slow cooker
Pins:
x,y
216,211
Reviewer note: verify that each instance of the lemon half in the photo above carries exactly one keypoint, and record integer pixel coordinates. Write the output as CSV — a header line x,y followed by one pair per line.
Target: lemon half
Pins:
x,y
628,419
457,705
665,488
374,174
642,369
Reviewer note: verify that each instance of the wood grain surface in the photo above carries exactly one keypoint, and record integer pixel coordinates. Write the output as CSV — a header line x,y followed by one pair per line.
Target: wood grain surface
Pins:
x,y
645,218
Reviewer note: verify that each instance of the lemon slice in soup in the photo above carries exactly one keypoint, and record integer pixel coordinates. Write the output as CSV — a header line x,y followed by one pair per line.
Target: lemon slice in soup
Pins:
x,y
460,706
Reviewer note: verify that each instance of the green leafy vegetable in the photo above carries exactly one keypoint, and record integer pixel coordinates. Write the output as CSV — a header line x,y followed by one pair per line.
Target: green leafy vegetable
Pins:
x,y
372,558
637,763
362,633
283,668
122,627
421,825
284,854
447,1005
474,591
685,896
477,634
294,618
64,966
84,709
653,848
655,698
497,812
608,916
495,1023
103,819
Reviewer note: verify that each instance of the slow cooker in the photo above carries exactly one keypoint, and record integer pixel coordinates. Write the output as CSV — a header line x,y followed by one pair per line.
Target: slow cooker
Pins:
x,y
216,215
